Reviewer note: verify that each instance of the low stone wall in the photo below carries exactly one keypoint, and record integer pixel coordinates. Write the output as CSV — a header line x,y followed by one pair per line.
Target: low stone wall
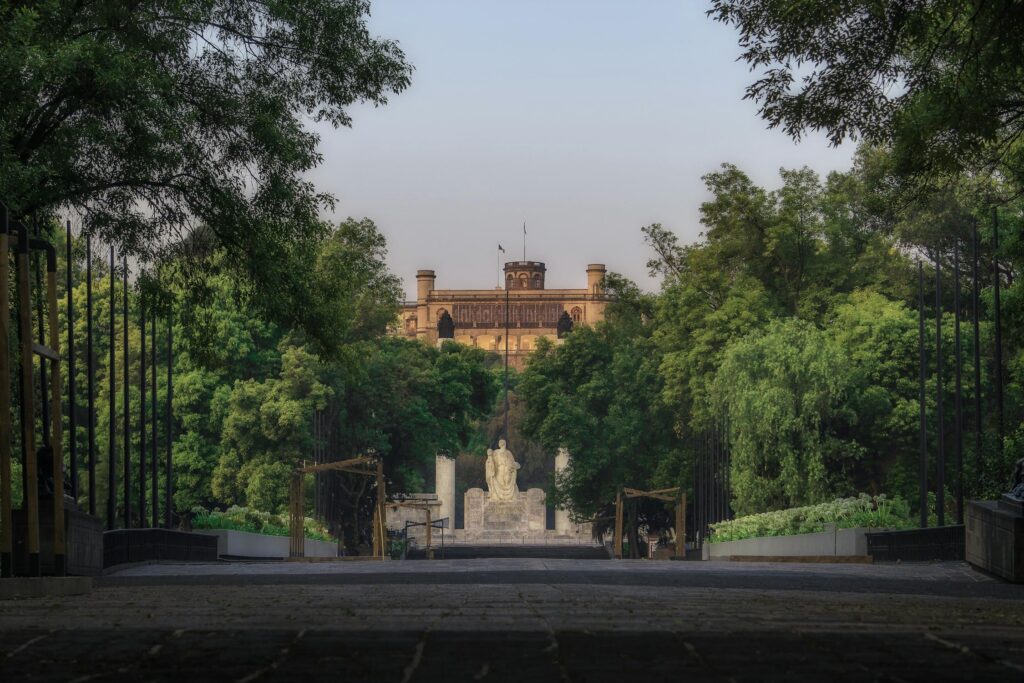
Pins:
x,y
995,537
231,543
831,542
122,546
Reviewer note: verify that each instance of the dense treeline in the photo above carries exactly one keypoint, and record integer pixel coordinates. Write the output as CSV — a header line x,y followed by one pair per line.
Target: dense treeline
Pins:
x,y
794,322
245,390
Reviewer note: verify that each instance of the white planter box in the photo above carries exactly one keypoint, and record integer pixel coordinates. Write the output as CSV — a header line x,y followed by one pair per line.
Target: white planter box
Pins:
x,y
244,544
831,542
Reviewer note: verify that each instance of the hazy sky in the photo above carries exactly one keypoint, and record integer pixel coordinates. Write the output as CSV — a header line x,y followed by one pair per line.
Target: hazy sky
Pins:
x,y
586,118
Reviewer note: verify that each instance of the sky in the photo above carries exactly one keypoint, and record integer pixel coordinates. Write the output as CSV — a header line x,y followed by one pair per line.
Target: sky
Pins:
x,y
587,119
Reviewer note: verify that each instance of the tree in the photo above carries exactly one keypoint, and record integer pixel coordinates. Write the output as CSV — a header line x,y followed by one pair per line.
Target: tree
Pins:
x,y
792,251
267,432
160,119
783,391
598,394
939,81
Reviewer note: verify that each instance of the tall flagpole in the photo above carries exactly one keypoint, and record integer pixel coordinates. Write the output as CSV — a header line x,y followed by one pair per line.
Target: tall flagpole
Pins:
x,y
923,428
524,240
506,362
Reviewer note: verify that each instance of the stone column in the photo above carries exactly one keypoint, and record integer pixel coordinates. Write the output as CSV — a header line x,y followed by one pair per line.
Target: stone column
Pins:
x,y
563,525
444,487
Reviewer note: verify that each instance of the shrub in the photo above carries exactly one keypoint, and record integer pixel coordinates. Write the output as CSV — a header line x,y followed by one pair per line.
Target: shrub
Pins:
x,y
877,512
237,518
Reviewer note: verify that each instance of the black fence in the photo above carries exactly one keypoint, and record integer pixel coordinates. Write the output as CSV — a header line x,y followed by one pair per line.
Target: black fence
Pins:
x,y
918,545
143,545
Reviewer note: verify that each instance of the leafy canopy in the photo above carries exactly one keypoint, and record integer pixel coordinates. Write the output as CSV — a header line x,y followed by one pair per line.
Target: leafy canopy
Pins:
x,y
158,117
939,80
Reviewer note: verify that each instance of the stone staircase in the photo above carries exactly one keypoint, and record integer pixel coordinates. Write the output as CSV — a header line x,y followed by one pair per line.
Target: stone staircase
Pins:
x,y
562,551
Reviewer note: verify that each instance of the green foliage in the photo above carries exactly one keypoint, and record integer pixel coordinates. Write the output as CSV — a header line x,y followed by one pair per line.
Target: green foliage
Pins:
x,y
940,81
877,512
407,401
598,394
255,521
794,321
266,432
162,119
783,391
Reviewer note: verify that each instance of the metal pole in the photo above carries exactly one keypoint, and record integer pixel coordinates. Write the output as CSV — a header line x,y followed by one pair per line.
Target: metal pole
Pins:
x,y
713,499
6,508
506,361
153,459
127,400
90,364
142,407
30,472
112,410
43,382
997,313
923,475
72,407
958,405
57,434
976,315
170,431
940,461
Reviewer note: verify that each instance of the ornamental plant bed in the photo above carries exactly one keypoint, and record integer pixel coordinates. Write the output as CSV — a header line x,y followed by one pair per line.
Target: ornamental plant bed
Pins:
x,y
875,512
237,518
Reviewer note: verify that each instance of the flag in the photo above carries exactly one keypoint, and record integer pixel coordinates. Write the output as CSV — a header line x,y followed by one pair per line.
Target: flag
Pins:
x,y
524,227
501,248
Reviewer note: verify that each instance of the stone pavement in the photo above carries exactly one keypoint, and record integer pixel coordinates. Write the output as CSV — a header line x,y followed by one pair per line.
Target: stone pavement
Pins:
x,y
523,620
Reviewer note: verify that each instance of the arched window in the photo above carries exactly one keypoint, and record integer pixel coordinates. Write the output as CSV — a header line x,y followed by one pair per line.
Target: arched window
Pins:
x,y
576,314
536,280
523,281
510,281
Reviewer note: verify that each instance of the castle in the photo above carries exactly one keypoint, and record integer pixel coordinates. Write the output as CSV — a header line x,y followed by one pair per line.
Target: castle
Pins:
x,y
477,317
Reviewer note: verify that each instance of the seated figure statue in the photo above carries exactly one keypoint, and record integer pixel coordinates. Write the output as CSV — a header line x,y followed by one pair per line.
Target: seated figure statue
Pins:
x,y
501,473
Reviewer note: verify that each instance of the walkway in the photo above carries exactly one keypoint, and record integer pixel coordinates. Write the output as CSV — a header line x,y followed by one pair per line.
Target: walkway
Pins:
x,y
524,620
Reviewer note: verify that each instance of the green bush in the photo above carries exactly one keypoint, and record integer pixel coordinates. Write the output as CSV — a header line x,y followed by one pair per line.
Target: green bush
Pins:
x,y
237,518
877,512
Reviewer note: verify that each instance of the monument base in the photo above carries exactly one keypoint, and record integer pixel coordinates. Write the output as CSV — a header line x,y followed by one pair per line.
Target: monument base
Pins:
x,y
995,537
496,521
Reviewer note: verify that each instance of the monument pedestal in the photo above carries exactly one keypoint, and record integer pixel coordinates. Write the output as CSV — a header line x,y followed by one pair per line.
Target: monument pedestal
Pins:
x,y
525,517
995,537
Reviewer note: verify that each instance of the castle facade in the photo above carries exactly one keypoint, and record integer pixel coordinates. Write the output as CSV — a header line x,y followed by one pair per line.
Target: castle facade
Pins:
x,y
477,317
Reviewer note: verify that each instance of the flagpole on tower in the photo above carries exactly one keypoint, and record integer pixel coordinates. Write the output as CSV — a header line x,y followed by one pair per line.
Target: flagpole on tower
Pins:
x,y
505,432
501,250
524,240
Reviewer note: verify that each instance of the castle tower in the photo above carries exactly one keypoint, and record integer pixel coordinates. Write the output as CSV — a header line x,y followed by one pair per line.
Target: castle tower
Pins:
x,y
424,286
520,275
595,276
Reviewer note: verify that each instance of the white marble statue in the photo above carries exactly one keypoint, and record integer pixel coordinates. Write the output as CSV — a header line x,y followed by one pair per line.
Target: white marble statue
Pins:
x,y
501,474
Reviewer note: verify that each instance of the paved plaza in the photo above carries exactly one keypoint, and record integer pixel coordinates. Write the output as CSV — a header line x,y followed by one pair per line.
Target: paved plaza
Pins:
x,y
522,620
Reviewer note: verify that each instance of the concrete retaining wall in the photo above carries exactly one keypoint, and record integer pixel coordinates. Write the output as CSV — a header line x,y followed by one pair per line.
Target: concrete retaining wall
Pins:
x,y
834,542
245,544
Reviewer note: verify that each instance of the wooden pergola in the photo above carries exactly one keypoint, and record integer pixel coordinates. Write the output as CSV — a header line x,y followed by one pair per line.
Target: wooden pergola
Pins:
x,y
676,495
296,493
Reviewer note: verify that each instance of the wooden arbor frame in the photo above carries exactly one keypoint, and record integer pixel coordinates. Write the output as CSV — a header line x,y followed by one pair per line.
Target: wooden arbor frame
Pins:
x,y
676,495
296,495
28,441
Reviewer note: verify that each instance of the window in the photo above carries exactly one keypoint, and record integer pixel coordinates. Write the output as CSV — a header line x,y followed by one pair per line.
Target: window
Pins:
x,y
576,314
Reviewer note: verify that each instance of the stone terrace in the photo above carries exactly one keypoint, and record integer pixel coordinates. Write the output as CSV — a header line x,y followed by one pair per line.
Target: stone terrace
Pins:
x,y
523,620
